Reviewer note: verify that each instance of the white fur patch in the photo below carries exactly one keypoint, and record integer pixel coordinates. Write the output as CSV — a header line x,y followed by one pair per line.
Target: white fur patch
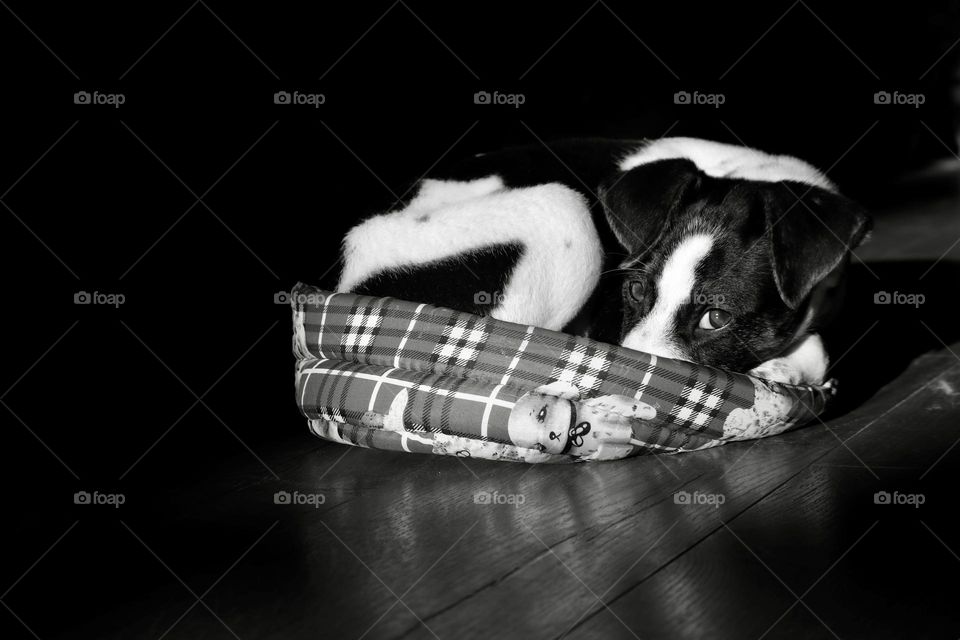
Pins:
x,y
562,256
366,250
436,193
653,334
806,363
728,161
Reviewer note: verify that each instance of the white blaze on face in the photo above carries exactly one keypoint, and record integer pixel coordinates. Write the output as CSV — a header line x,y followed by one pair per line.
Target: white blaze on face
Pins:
x,y
654,333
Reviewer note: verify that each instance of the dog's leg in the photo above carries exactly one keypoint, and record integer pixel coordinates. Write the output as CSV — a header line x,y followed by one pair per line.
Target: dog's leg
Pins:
x,y
543,237
433,194
806,363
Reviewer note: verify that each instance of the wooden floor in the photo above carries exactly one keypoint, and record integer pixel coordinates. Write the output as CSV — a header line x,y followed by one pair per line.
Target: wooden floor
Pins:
x,y
782,538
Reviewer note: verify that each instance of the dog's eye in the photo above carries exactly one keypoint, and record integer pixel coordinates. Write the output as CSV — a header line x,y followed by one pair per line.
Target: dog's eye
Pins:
x,y
636,291
715,319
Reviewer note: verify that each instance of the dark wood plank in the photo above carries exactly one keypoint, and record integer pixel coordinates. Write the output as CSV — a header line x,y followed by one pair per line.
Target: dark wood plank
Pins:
x,y
864,569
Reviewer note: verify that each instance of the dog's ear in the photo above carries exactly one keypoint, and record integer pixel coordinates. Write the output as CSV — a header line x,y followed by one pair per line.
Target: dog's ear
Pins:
x,y
639,203
811,232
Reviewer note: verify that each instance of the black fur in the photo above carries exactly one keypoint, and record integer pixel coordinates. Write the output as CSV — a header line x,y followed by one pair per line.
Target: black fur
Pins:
x,y
469,282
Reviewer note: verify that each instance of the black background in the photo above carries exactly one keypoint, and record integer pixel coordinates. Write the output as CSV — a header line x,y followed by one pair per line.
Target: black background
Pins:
x,y
106,199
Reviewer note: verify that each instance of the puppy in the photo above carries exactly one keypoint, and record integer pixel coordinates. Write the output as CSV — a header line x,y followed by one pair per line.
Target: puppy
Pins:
x,y
678,247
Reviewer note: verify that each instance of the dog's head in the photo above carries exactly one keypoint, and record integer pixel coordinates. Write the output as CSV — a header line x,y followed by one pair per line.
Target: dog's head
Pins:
x,y
729,251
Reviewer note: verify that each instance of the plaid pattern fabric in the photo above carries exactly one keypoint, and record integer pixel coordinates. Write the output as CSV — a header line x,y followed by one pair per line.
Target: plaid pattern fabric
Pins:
x,y
461,342
363,324
699,402
582,365
400,375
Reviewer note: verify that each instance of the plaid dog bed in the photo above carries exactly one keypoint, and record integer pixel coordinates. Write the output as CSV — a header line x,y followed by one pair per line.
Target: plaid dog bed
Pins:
x,y
390,374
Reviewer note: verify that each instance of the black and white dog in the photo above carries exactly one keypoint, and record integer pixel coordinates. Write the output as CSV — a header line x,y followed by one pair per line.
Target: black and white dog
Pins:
x,y
712,253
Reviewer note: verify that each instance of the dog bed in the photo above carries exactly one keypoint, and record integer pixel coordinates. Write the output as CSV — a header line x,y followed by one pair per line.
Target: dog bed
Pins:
x,y
405,376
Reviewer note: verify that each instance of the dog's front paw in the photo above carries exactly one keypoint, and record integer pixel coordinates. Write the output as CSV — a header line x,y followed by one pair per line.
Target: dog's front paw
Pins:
x,y
778,370
805,363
